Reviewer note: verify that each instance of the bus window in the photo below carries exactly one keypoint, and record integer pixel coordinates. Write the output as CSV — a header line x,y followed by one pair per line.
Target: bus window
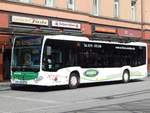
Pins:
x,y
61,54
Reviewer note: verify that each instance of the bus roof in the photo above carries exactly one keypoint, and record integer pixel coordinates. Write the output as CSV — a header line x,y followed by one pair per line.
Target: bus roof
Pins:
x,y
137,43
67,37
86,39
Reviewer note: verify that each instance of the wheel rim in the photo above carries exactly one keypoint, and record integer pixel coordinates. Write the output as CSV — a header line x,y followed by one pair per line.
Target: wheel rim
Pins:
x,y
126,77
73,81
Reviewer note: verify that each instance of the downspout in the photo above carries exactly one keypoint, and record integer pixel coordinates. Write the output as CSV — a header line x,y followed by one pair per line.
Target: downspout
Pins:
x,y
142,20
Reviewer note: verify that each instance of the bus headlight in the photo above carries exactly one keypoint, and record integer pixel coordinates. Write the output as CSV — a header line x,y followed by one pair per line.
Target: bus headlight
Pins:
x,y
38,79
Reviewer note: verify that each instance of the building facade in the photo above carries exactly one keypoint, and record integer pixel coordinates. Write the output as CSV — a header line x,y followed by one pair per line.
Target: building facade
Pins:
x,y
110,20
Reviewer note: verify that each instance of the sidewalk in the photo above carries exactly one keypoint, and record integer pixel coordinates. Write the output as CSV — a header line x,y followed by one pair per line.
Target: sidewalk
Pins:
x,y
4,85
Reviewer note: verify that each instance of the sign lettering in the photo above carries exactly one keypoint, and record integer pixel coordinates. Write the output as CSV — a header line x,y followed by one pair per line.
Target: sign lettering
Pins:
x,y
29,20
64,24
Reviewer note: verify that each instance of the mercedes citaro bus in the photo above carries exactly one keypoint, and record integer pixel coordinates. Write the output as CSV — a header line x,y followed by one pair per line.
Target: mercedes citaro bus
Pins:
x,y
55,60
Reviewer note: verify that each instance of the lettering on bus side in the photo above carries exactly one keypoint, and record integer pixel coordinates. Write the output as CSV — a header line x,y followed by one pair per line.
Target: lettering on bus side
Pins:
x,y
91,73
90,45
125,48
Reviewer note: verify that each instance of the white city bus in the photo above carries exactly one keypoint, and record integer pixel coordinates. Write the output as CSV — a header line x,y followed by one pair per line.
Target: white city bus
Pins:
x,y
72,60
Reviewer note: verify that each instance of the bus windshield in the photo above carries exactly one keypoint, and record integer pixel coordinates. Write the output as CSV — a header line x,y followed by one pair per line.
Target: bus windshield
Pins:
x,y
26,54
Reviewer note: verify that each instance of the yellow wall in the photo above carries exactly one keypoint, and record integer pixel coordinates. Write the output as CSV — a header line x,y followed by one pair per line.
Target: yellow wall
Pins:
x,y
85,8
61,4
106,9
146,12
125,9
38,2
138,12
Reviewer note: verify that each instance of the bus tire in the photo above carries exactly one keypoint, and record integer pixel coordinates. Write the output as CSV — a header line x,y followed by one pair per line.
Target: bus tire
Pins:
x,y
13,87
126,76
74,80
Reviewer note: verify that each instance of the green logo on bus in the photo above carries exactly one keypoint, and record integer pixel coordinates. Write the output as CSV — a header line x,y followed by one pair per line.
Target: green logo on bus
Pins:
x,y
91,73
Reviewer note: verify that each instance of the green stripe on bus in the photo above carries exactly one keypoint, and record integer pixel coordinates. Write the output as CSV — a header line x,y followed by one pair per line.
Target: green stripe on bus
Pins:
x,y
24,75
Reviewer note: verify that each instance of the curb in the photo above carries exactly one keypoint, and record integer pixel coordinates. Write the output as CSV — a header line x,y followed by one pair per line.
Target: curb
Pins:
x,y
4,84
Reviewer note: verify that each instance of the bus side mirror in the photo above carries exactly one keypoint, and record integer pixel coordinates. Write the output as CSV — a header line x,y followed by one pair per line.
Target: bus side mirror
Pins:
x,y
48,50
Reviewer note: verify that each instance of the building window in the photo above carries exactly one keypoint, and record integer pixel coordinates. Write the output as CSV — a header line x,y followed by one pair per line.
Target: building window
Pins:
x,y
25,1
96,7
116,8
71,4
49,3
133,9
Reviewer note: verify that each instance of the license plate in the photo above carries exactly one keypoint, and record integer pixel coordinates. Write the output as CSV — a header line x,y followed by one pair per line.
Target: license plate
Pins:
x,y
21,82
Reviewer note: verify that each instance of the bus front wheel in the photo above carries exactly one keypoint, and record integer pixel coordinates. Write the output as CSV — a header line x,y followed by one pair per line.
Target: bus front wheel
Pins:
x,y
13,87
126,76
73,80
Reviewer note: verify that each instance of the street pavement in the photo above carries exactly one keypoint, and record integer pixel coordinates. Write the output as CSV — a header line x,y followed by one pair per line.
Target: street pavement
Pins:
x,y
140,106
115,97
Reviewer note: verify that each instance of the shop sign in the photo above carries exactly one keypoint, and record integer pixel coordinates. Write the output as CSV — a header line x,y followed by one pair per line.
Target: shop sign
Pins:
x,y
105,29
129,33
29,20
64,24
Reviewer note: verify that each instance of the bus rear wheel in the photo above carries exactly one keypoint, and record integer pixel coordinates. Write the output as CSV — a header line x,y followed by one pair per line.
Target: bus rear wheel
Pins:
x,y
126,77
73,81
